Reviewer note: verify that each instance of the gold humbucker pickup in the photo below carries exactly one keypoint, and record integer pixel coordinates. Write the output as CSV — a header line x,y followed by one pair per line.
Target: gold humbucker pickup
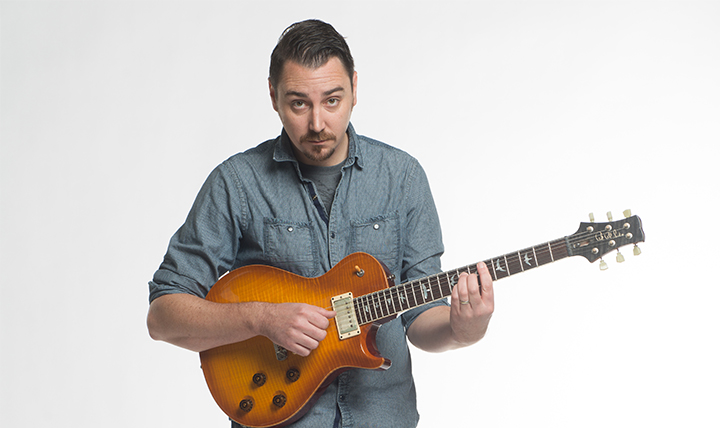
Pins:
x,y
345,319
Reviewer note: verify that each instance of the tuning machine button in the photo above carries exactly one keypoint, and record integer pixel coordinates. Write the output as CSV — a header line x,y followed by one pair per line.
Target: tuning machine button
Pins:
x,y
636,250
619,258
603,265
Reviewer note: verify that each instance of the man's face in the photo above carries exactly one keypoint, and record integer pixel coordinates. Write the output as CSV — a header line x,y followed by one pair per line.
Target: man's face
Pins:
x,y
314,106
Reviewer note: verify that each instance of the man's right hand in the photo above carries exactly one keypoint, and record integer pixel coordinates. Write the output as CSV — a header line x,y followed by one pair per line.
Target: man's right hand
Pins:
x,y
298,327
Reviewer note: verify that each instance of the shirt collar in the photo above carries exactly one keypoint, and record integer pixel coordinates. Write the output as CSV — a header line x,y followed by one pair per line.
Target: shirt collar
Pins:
x,y
283,149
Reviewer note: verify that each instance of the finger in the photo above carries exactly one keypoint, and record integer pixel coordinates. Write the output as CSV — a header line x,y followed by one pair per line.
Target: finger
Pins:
x,y
486,282
321,318
463,297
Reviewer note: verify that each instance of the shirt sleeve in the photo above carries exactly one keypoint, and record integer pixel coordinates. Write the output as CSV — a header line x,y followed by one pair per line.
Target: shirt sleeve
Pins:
x,y
205,246
423,245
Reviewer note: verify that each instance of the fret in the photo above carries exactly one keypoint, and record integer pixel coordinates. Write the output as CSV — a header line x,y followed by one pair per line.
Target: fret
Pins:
x,y
365,309
373,307
535,256
551,254
417,294
441,290
544,255
428,288
514,264
387,305
404,302
393,293
415,290
520,261
379,305
500,269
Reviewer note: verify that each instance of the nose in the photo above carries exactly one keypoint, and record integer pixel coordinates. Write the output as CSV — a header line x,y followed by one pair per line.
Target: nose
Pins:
x,y
317,122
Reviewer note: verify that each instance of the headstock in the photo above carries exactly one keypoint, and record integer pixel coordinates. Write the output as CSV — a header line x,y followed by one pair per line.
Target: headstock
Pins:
x,y
594,240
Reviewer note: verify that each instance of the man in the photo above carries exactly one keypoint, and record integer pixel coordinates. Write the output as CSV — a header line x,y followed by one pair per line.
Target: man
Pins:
x,y
302,202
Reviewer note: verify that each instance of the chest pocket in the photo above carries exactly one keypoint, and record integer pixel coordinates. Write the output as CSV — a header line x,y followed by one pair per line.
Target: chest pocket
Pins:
x,y
291,246
380,237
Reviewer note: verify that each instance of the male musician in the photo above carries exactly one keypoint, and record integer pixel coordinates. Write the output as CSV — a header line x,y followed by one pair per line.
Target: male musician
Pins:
x,y
302,202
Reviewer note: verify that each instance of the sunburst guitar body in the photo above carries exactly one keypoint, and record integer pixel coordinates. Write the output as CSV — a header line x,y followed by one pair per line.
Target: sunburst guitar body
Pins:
x,y
259,384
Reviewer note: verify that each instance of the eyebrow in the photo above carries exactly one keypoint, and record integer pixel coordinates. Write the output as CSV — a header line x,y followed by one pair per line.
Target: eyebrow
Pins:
x,y
304,95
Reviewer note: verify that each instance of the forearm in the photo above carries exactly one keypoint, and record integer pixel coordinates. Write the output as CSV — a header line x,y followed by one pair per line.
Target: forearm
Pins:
x,y
197,324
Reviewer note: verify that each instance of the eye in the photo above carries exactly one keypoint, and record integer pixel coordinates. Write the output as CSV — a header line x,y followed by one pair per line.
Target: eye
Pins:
x,y
333,102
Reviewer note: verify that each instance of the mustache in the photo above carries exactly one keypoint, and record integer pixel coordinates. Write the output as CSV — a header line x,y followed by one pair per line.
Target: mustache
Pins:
x,y
317,136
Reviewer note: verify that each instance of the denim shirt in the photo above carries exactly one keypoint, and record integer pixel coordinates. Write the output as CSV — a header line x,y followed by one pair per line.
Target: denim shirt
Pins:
x,y
256,208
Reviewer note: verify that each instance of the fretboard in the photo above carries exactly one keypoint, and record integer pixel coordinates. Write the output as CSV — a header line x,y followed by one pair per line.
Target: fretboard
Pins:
x,y
391,301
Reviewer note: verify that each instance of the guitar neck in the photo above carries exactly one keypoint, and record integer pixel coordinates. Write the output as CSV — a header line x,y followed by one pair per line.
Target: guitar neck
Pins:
x,y
391,301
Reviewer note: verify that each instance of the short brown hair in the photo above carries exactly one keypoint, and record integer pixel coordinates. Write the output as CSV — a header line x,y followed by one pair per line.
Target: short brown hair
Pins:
x,y
311,44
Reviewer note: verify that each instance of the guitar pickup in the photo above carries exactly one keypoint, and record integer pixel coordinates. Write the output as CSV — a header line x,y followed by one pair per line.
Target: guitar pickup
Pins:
x,y
346,320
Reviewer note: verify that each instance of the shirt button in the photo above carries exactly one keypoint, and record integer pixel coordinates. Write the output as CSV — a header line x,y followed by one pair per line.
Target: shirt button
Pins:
x,y
290,229
342,398
332,235
376,226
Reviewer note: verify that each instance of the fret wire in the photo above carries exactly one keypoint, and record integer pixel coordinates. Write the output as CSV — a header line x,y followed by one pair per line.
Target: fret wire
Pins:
x,y
412,288
395,310
551,253
432,296
375,306
385,301
407,299
363,309
378,295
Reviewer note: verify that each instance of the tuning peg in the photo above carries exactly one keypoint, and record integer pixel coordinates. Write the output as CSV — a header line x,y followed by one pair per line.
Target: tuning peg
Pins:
x,y
609,215
627,213
603,265
592,217
619,258
636,250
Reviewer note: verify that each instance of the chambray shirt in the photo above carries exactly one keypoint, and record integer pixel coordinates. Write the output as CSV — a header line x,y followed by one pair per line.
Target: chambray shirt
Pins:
x,y
256,208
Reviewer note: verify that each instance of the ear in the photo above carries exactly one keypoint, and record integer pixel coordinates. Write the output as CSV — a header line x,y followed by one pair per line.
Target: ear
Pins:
x,y
272,96
354,82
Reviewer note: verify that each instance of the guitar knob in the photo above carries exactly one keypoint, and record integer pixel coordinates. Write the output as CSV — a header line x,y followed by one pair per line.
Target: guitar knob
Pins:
x,y
279,400
293,375
259,379
246,405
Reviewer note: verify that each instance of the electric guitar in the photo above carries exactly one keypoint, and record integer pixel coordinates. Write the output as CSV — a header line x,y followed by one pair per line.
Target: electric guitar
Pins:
x,y
259,384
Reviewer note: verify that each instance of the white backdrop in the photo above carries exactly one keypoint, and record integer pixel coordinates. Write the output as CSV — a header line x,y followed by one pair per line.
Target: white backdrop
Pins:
x,y
526,117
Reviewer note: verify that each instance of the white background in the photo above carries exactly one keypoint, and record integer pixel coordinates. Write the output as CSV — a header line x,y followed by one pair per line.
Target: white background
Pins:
x,y
526,116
